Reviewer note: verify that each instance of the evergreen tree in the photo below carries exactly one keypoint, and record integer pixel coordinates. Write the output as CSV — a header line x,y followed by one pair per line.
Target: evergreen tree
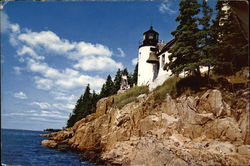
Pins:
x,y
117,80
103,91
107,88
205,39
110,90
185,54
94,100
85,105
135,75
230,45
74,116
125,72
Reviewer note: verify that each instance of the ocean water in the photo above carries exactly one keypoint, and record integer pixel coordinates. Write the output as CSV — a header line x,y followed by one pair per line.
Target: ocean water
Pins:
x,y
23,148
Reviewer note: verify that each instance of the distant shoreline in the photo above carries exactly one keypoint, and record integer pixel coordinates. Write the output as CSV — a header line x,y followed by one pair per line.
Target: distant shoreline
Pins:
x,y
21,129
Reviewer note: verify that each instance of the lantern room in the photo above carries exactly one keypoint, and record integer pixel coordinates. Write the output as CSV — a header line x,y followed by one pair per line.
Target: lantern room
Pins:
x,y
150,38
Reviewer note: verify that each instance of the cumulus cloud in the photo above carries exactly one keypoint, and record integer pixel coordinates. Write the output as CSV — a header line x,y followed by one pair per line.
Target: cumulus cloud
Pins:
x,y
29,51
67,78
33,50
43,83
122,54
43,68
165,7
63,96
98,63
20,95
134,61
6,25
80,52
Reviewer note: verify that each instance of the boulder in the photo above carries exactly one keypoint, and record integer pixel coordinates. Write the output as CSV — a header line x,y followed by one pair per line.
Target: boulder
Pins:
x,y
49,143
212,102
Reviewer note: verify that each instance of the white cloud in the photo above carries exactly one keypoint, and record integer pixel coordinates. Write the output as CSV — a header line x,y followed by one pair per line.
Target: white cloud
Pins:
x,y
46,40
63,96
67,78
122,54
29,51
43,69
6,25
42,105
50,41
33,49
98,63
165,7
20,95
80,52
80,81
43,83
134,61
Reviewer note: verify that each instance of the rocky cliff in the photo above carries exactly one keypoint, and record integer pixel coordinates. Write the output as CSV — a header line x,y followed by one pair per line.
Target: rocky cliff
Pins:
x,y
190,130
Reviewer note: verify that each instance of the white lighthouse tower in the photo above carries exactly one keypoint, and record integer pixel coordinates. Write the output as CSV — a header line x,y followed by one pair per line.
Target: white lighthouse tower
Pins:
x,y
147,70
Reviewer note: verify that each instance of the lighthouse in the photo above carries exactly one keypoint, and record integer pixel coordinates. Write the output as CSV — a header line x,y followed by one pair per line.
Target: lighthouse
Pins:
x,y
148,63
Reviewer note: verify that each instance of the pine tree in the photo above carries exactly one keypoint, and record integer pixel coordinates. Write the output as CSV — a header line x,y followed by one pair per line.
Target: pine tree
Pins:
x,y
135,75
230,45
94,100
107,88
117,80
103,91
85,105
76,111
185,54
125,72
205,39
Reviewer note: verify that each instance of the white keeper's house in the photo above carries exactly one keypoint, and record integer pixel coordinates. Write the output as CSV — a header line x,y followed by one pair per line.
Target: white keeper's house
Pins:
x,y
152,57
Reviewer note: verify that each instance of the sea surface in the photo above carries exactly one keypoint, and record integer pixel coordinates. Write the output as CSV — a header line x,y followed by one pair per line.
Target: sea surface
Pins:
x,y
23,148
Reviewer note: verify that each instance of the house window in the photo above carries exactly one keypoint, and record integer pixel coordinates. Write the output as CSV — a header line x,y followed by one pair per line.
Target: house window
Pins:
x,y
163,60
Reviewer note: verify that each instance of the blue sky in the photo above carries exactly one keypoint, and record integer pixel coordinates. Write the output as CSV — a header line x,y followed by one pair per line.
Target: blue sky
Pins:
x,y
52,50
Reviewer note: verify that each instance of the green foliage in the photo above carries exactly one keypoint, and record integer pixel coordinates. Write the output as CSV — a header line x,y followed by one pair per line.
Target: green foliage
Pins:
x,y
230,46
184,54
205,39
108,88
117,80
169,86
129,96
85,105
220,45
134,76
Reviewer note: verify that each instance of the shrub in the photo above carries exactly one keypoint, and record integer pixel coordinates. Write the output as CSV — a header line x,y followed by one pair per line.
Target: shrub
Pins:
x,y
129,96
169,86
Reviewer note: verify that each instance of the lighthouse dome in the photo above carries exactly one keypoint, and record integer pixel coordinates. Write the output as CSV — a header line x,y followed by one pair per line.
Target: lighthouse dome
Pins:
x,y
150,38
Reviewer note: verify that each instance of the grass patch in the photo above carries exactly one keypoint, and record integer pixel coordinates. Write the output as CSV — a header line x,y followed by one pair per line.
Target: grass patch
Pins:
x,y
129,96
169,86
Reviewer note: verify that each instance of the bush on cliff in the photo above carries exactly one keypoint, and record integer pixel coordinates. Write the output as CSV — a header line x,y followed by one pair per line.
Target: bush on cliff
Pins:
x,y
129,96
169,86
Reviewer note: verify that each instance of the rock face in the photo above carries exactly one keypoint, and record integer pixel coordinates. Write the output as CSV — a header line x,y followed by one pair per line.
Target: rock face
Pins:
x,y
200,130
